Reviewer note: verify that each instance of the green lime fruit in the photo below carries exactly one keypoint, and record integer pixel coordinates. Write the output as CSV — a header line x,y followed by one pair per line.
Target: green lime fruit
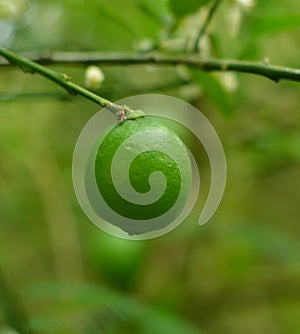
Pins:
x,y
147,157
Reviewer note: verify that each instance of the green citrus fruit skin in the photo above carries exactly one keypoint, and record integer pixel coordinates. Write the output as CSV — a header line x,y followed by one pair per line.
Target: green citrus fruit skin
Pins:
x,y
140,169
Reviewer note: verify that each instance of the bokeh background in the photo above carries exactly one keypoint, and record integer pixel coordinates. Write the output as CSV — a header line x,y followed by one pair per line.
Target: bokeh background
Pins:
x,y
240,273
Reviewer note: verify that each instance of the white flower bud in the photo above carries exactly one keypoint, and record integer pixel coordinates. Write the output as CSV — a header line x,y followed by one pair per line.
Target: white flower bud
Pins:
x,y
246,3
228,80
235,13
93,77
204,47
234,17
13,8
6,10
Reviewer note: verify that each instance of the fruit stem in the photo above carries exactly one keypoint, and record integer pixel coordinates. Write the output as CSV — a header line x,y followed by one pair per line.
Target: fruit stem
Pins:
x,y
121,112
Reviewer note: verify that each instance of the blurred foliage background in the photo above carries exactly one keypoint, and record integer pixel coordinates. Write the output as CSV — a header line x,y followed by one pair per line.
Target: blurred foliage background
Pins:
x,y
238,274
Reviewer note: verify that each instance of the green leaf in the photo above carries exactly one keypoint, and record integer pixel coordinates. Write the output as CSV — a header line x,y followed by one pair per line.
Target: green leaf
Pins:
x,y
213,89
95,308
184,7
275,24
155,9
116,17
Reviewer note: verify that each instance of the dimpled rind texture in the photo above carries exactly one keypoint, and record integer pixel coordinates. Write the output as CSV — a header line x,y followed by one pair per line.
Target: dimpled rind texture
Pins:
x,y
140,169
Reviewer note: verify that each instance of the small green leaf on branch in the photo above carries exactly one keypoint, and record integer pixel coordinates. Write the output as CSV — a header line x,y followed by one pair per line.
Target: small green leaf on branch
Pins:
x,y
183,7
135,114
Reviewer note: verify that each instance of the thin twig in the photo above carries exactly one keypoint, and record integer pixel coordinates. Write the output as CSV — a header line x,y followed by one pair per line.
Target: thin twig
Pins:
x,y
205,25
62,80
263,68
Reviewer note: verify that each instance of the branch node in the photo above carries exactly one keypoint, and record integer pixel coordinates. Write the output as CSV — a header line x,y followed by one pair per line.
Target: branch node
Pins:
x,y
224,67
66,77
26,69
267,61
122,114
